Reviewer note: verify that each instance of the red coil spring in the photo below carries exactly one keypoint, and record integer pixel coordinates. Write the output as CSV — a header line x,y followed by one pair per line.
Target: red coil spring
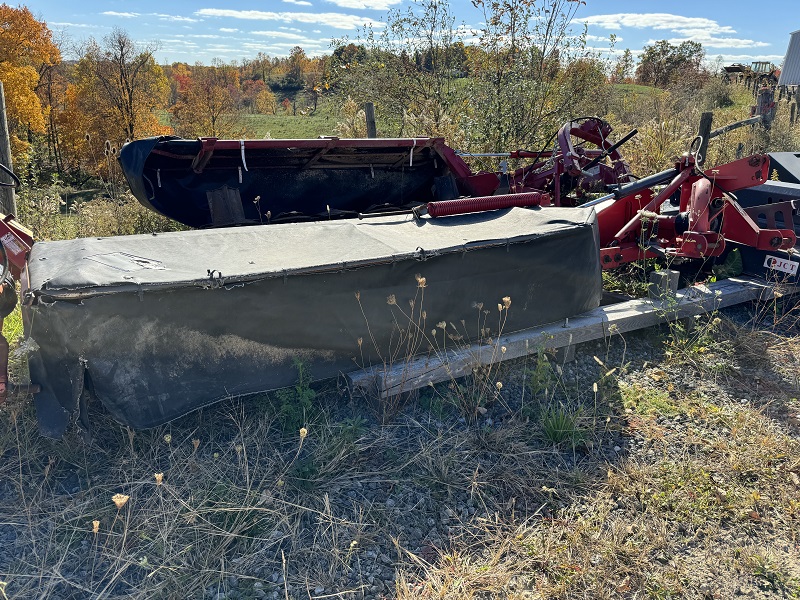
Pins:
x,y
444,208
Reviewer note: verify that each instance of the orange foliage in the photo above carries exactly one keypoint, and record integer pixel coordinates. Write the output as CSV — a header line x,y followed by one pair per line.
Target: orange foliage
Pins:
x,y
26,47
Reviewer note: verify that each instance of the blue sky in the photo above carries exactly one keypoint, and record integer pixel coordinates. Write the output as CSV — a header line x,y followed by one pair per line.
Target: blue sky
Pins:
x,y
737,30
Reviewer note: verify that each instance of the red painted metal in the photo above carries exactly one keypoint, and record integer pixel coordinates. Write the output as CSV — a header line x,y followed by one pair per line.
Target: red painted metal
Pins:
x,y
562,173
462,206
15,244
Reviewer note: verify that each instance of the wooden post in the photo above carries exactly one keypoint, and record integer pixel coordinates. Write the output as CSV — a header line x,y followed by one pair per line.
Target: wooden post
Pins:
x,y
8,203
792,113
704,132
369,113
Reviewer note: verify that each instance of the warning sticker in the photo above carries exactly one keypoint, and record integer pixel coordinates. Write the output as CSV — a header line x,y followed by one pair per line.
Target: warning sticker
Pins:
x,y
10,242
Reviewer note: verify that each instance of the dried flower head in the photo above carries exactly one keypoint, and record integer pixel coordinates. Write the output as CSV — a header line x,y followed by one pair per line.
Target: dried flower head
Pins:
x,y
500,307
441,325
120,500
507,301
594,387
391,300
159,478
95,526
422,282
168,438
358,295
503,349
196,444
499,385
360,342
303,433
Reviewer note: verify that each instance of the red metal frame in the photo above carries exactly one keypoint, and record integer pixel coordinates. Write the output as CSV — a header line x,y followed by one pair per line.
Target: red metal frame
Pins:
x,y
631,225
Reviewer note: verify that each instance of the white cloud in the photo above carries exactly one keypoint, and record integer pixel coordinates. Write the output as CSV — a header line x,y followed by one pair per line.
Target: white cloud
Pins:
x,y
124,15
668,21
309,45
81,25
335,20
298,2
164,17
600,38
709,41
365,4
708,32
228,29
280,34
746,58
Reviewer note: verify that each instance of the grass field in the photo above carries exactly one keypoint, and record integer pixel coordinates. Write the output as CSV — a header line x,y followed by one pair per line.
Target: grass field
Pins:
x,y
662,464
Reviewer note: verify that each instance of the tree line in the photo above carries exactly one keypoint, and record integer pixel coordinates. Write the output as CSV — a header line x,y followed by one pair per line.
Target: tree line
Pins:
x,y
525,73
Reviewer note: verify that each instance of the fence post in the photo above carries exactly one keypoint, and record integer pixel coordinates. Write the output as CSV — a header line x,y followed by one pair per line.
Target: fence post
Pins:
x,y
8,204
369,113
704,132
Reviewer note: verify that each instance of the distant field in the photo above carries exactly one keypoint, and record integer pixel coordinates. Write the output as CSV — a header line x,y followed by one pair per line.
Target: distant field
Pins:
x,y
288,126
282,126
634,88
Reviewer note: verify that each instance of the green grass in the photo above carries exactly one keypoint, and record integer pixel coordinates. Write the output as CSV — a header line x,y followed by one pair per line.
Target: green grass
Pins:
x,y
289,126
634,88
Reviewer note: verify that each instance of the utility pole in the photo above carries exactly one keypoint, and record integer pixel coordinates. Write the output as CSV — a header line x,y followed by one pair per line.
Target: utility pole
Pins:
x,y
8,204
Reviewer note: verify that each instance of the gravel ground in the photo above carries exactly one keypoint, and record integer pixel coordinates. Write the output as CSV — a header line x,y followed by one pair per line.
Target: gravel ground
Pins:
x,y
627,503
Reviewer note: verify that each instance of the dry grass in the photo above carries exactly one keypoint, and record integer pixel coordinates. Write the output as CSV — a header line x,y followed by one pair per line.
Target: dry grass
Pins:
x,y
683,482
666,468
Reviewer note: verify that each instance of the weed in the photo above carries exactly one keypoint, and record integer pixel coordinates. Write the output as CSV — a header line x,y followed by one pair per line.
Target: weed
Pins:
x,y
772,574
560,424
540,377
648,401
296,403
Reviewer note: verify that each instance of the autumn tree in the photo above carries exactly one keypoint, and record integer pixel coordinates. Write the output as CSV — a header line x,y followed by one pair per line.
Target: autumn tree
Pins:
x,y
116,92
265,103
122,86
26,52
209,105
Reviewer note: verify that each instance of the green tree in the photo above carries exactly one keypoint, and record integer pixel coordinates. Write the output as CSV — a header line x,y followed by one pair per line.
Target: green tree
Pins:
x,y
662,63
623,68
519,78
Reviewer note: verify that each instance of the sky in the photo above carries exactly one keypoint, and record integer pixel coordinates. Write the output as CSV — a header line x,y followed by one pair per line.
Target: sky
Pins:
x,y
736,30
